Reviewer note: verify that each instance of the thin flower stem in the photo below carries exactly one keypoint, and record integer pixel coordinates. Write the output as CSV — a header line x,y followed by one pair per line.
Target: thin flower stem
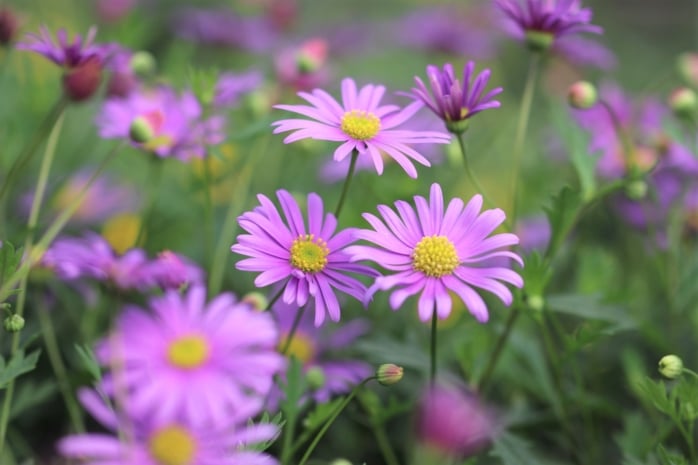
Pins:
x,y
39,192
432,350
620,132
331,420
345,189
209,224
54,355
471,176
520,140
53,230
381,437
501,342
154,183
294,328
275,298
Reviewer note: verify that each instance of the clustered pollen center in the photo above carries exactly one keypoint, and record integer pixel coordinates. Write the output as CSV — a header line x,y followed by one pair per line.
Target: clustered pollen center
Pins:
x,y
188,352
172,445
309,253
435,256
360,124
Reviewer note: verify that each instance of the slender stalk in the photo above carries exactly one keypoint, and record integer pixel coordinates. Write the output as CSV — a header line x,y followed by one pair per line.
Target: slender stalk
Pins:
x,y
345,189
294,328
331,420
620,132
54,355
275,298
209,225
39,192
501,342
156,167
381,437
519,141
432,348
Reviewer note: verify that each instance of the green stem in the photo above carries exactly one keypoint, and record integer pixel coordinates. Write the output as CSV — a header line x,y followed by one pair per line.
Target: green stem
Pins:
x,y
345,189
54,356
519,141
432,348
501,342
331,420
209,226
275,298
621,133
381,437
294,328
39,192
54,229
471,176
156,167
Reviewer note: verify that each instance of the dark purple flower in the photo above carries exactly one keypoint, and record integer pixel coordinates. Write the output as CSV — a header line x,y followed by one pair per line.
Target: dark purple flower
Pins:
x,y
61,51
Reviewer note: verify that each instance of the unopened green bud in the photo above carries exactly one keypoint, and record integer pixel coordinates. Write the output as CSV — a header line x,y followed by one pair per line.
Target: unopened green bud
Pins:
x,y
315,377
340,462
539,41
389,374
143,64
684,103
582,95
687,65
14,323
671,366
636,190
257,300
536,302
141,131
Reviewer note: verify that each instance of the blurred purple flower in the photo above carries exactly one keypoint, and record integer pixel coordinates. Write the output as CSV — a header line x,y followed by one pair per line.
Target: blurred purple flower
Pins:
x,y
433,251
185,358
114,10
61,51
311,262
581,51
172,440
231,87
534,233
303,67
172,271
360,123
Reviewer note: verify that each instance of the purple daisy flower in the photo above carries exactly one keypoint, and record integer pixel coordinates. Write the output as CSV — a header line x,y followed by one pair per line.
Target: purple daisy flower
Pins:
x,y
188,359
61,51
153,441
454,103
312,262
316,348
231,87
433,251
360,123
541,22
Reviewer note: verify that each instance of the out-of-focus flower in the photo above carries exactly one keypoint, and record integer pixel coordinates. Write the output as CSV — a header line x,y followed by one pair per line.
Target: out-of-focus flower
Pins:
x,y
192,360
172,122
82,60
684,103
433,251
360,123
9,24
540,23
122,80
452,30
317,349
172,271
225,28
533,233
582,51
114,10
303,67
231,87
168,441
453,101
687,65
311,262
453,423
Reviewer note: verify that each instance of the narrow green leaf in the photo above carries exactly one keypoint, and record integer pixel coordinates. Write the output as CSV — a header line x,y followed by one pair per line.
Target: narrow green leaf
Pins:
x,y
18,365
89,361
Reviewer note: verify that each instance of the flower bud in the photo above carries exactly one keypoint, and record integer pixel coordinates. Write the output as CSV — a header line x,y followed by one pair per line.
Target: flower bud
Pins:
x,y
536,302
14,323
8,25
340,462
687,65
312,55
82,81
389,374
143,64
582,95
671,366
636,190
539,41
315,377
256,300
684,103
141,130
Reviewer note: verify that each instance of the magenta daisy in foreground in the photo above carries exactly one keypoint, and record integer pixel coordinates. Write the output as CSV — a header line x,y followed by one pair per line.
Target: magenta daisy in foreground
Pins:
x,y
455,102
433,251
312,262
196,361
360,123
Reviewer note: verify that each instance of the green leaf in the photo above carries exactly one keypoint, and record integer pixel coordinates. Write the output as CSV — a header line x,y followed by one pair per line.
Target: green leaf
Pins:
x,y
9,260
294,388
29,394
590,307
562,214
277,420
18,365
655,393
89,361
670,458
321,414
536,274
513,450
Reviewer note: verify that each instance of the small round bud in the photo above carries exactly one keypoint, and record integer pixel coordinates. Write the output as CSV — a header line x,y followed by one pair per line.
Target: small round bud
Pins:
x,y
684,102
143,64
14,323
582,95
636,190
256,300
671,366
539,41
141,131
316,377
687,65
389,374
536,302
82,81
340,462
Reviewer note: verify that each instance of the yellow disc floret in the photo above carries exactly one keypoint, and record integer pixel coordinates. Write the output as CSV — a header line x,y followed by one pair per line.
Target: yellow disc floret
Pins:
x,y
188,352
360,124
172,445
435,256
309,253
301,347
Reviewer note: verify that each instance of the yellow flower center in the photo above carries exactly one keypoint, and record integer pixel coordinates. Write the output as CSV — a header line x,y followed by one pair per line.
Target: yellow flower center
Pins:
x,y
188,352
435,256
172,445
360,124
121,231
309,254
301,347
